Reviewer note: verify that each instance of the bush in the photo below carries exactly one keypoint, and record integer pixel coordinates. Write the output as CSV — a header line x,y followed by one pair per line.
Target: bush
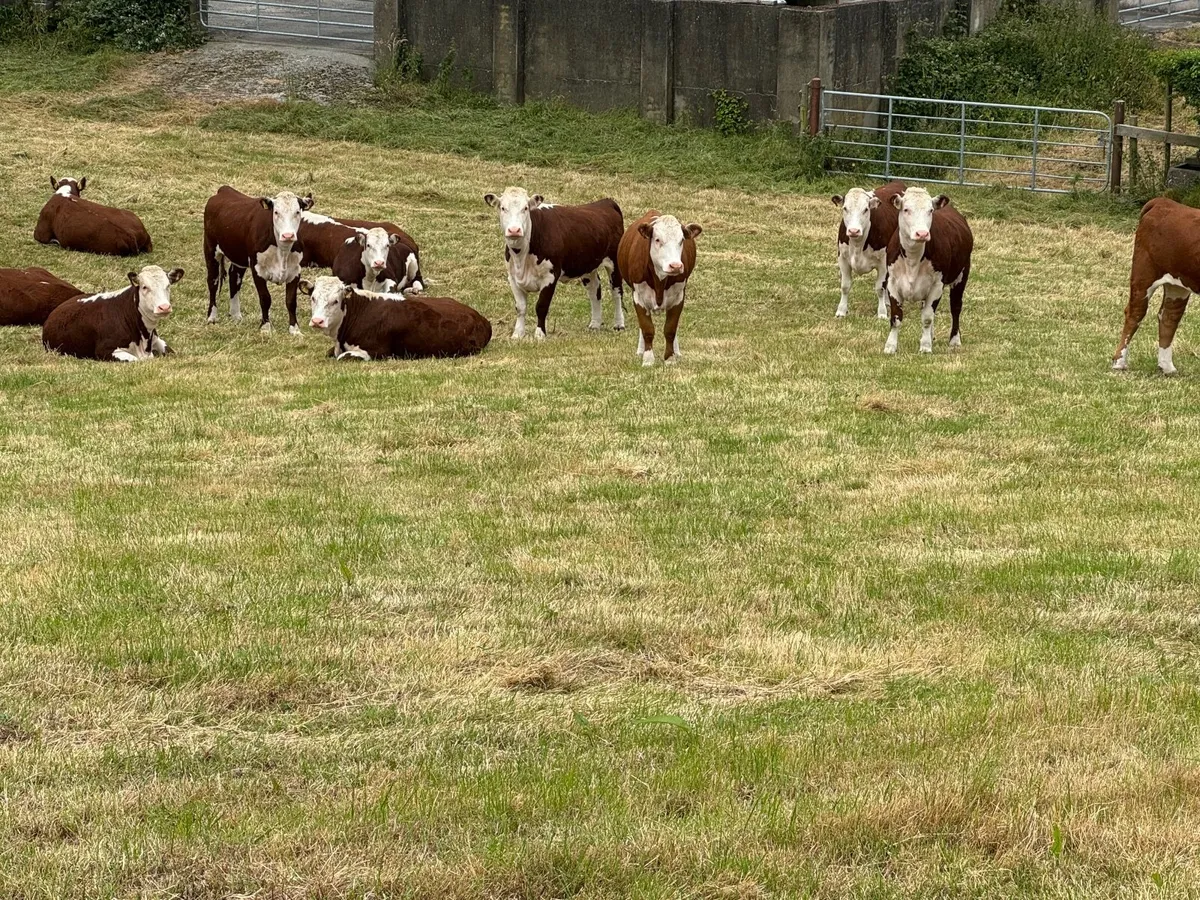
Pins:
x,y
21,21
1035,54
138,25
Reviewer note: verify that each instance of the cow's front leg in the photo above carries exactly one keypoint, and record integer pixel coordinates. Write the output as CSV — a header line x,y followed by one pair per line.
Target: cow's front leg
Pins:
x,y
646,338
881,291
543,307
670,332
897,316
264,299
1174,305
289,298
519,303
122,355
595,289
847,283
158,347
235,292
928,312
617,290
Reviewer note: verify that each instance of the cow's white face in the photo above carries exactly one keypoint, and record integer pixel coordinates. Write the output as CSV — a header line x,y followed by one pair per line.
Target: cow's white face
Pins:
x,y
514,207
376,244
285,215
666,236
329,296
916,214
153,287
856,211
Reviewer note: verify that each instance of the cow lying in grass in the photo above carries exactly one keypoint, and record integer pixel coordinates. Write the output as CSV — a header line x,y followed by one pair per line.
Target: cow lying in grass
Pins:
x,y
77,224
375,256
366,325
120,324
28,296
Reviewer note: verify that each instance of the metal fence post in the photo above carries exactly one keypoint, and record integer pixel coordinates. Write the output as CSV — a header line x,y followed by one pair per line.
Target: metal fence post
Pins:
x,y
887,159
1033,167
1118,148
814,107
962,143
1167,145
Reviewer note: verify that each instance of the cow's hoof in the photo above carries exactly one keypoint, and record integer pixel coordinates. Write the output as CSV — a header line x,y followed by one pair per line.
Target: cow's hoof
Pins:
x,y
596,326
618,328
956,341
1168,370
540,335
1120,365
236,317
211,319
294,329
517,335
671,361
265,327
882,314
648,359
889,349
841,313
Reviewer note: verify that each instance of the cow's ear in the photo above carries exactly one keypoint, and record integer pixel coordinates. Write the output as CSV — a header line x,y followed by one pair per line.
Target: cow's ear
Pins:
x,y
491,200
267,202
646,229
175,276
837,199
53,182
873,202
361,238
305,287
898,201
535,201
82,183
393,240
133,278
347,293
941,200
693,231
306,202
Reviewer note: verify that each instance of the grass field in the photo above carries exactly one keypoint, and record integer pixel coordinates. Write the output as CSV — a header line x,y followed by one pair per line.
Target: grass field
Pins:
x,y
789,619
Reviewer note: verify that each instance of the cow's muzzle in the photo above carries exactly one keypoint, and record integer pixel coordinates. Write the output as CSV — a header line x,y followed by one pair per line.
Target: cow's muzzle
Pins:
x,y
316,322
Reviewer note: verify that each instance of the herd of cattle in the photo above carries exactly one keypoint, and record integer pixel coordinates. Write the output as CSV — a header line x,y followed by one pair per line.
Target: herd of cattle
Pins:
x,y
373,305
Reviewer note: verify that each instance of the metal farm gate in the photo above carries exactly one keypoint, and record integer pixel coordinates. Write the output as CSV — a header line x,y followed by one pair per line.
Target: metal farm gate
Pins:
x,y
1159,15
960,142
345,22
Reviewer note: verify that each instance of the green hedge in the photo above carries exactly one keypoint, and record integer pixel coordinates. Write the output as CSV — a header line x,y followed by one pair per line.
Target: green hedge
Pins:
x,y
138,25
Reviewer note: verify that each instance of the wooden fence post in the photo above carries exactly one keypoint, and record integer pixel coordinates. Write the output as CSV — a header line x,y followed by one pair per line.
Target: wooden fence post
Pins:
x,y
1134,162
1118,149
814,107
1167,146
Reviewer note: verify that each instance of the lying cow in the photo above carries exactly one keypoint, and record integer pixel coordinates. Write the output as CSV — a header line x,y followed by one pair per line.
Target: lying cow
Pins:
x,y
27,296
259,234
1165,254
366,325
868,223
544,244
77,224
656,258
120,324
930,251
391,263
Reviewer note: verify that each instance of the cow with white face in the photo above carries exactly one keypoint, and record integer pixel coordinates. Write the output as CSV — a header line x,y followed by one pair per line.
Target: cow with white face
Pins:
x,y
256,233
545,244
118,325
868,223
656,257
930,251
371,259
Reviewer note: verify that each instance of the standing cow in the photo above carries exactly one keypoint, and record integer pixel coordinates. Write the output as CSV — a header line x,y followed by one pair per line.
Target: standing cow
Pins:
x,y
77,224
28,296
930,251
119,325
259,234
391,262
656,257
544,244
868,223
1166,254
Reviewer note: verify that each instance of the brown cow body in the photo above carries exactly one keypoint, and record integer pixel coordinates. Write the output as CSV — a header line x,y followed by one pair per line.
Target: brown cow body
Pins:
x,y
546,244
243,231
118,325
28,296
329,243
1166,254
367,326
656,257
921,268
868,223
77,224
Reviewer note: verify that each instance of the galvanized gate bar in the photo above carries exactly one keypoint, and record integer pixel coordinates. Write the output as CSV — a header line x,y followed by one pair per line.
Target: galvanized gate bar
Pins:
x,y
345,21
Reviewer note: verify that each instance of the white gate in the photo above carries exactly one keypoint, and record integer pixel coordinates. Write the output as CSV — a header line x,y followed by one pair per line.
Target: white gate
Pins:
x,y
959,142
348,22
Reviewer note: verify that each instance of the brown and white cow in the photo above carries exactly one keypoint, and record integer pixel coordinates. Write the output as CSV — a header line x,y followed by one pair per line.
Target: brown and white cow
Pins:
x,y
868,223
120,324
28,296
77,224
930,251
1166,254
388,263
545,244
256,233
656,257
366,325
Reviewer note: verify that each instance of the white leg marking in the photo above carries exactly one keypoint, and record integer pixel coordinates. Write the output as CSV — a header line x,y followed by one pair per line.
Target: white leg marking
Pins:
x,y
212,316
266,326
595,289
618,309
158,346
847,283
539,334
1121,363
956,341
927,314
235,307
124,356
1164,360
893,340
882,312
519,303
678,355
648,358
353,352
293,329
641,347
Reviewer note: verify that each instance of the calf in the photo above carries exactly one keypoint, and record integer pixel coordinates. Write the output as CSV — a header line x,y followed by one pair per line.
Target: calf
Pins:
x,y
1166,254
544,243
365,325
259,234
868,223
656,258
930,251
27,296
120,324
388,264
77,224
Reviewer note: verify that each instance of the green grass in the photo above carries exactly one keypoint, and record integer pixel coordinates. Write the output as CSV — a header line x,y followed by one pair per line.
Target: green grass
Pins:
x,y
46,65
790,619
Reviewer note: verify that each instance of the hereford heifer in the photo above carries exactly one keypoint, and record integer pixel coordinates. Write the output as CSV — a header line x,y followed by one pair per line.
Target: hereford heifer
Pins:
x,y
256,233
388,263
868,223
366,325
27,296
77,224
656,257
930,251
1166,254
120,325
544,244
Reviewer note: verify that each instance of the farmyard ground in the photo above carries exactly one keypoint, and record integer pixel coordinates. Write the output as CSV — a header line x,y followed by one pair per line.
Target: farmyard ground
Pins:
x,y
789,619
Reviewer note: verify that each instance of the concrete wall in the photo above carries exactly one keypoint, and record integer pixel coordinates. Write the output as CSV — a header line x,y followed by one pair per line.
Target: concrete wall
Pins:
x,y
665,57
